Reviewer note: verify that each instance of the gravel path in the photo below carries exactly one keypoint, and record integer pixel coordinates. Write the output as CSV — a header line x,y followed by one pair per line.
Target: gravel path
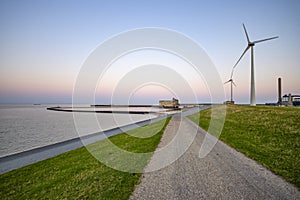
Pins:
x,y
223,174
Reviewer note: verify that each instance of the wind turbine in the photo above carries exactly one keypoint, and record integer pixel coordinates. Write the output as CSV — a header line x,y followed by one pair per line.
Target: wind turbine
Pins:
x,y
231,88
251,45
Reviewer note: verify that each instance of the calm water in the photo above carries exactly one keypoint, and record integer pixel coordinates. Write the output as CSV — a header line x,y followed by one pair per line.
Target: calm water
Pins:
x,y
26,127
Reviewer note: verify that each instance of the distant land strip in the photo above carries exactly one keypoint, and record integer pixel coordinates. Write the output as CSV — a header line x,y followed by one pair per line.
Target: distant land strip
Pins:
x,y
70,109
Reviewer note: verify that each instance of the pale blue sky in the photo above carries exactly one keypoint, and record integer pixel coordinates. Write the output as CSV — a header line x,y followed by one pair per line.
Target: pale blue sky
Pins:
x,y
44,43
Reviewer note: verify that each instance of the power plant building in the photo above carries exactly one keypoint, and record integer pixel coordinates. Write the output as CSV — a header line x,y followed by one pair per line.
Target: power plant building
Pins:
x,y
174,103
287,100
291,100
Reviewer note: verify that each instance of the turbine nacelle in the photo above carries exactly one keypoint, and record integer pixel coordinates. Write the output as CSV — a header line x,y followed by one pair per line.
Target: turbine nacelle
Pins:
x,y
230,80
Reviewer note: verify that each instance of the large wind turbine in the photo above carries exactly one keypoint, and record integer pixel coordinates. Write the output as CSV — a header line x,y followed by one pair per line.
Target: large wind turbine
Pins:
x,y
251,45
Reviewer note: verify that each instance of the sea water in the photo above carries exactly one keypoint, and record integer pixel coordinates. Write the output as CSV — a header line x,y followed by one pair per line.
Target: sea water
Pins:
x,y
24,127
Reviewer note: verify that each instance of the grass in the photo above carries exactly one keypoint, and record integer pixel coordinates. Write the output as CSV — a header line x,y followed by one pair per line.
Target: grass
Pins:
x,y
78,175
269,135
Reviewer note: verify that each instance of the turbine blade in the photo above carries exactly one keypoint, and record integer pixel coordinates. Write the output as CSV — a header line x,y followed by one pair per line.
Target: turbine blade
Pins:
x,y
241,56
246,34
227,82
233,83
257,41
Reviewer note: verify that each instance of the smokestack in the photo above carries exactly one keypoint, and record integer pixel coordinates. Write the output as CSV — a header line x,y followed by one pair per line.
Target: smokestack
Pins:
x,y
279,91
290,102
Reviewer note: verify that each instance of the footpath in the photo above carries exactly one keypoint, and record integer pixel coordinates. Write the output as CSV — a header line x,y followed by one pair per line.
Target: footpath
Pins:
x,y
223,174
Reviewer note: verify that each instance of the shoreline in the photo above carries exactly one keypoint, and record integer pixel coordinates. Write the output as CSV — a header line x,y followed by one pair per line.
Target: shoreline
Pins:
x,y
24,158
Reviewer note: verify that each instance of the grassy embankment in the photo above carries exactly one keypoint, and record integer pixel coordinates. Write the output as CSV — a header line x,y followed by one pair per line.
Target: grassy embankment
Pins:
x,y
269,135
78,175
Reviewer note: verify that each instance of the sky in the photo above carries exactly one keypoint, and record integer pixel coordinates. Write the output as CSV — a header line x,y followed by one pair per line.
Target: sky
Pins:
x,y
44,44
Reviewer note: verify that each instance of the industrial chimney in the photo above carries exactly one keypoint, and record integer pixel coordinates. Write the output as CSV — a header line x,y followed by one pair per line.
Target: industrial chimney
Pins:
x,y
279,92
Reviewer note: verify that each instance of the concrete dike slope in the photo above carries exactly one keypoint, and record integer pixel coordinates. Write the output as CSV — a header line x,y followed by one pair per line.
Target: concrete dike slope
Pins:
x,y
17,160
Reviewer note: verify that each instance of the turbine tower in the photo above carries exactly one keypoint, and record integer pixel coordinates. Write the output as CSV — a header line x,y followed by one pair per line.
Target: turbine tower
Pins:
x,y
251,45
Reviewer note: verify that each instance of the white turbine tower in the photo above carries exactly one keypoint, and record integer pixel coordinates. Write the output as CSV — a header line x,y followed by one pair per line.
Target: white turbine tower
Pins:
x,y
251,45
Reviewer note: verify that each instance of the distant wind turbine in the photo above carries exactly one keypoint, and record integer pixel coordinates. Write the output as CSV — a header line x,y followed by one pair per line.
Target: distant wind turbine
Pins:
x,y
251,45
231,88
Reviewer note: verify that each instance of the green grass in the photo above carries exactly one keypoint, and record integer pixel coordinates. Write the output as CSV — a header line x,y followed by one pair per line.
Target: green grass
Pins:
x,y
269,135
78,175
